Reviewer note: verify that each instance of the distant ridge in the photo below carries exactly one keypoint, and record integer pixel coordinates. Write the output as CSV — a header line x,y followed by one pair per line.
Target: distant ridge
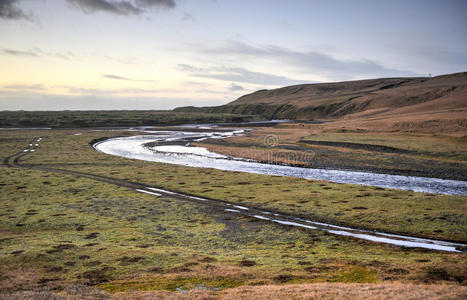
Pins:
x,y
351,99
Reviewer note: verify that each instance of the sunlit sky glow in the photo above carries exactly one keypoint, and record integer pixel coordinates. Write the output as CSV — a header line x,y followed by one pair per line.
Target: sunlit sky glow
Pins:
x,y
160,54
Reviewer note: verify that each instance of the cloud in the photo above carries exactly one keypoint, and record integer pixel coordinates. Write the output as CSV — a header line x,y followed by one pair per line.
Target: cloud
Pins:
x,y
66,55
188,18
123,8
157,3
313,62
37,52
9,10
110,76
19,52
117,92
61,97
236,87
238,75
24,87
120,8
86,102
116,77
436,60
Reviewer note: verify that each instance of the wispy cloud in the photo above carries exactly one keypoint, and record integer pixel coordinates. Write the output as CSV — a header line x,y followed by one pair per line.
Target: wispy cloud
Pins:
x,y
312,62
59,97
37,52
188,18
91,102
19,52
66,55
235,87
61,55
117,92
157,3
9,10
121,60
117,77
123,8
120,8
110,76
429,59
24,87
237,75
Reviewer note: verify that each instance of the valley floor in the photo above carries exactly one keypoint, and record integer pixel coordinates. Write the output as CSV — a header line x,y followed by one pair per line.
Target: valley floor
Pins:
x,y
71,236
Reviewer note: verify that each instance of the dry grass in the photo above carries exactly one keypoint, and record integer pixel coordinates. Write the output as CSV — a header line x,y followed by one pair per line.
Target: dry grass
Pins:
x,y
26,278
337,291
295,291
435,105
450,122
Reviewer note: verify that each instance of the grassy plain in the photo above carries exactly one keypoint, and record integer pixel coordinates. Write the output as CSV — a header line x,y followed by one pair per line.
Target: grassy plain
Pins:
x,y
427,215
59,231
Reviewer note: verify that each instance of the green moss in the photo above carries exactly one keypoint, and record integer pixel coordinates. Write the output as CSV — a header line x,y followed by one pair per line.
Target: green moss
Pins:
x,y
356,275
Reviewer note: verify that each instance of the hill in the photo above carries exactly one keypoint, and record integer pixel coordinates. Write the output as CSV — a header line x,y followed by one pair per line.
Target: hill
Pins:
x,y
398,103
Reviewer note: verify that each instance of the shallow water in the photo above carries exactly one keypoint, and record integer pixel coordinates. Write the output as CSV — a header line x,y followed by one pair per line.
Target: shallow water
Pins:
x,y
134,147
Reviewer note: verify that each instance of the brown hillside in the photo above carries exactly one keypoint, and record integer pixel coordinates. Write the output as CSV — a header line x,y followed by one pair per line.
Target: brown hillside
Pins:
x,y
370,94
394,103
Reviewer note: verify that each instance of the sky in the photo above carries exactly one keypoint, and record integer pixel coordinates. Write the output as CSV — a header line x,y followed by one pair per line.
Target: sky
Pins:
x,y
162,54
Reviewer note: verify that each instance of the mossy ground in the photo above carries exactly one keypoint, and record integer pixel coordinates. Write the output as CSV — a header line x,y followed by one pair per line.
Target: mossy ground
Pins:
x,y
422,214
57,229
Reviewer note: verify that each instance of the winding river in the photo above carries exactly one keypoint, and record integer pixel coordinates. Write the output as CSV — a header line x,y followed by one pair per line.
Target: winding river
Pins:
x,y
172,147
